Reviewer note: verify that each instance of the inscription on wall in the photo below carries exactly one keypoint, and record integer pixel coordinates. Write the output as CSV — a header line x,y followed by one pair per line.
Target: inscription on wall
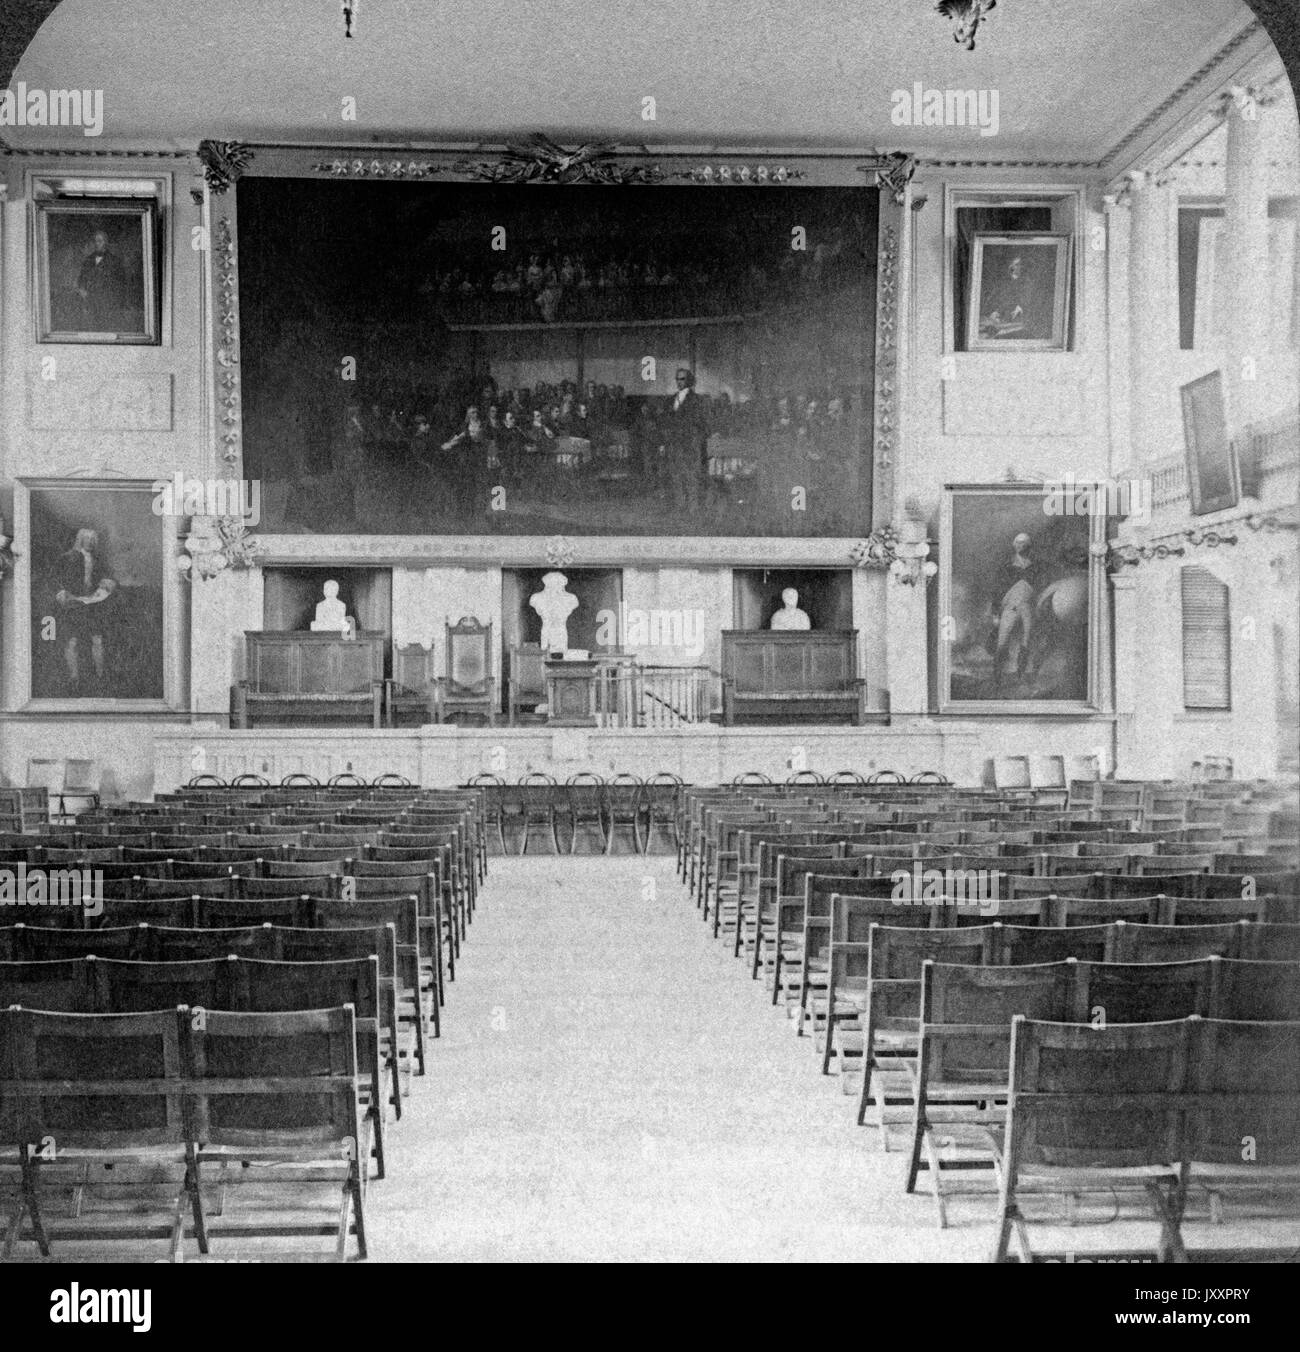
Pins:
x,y
102,404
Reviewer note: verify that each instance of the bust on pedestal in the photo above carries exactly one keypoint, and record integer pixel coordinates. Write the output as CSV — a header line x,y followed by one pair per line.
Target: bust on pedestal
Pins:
x,y
554,605
790,616
331,614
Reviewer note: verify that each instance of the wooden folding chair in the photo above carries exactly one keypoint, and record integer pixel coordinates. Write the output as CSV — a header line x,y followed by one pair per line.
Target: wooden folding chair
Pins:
x,y
962,1057
1096,1110
891,1018
1246,1076
274,1097
107,1091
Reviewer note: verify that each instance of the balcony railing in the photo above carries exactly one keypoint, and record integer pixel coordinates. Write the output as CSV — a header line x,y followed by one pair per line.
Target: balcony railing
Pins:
x,y
629,695
1265,450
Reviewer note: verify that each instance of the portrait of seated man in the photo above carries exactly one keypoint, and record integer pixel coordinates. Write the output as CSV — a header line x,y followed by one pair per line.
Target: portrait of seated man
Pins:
x,y
1020,291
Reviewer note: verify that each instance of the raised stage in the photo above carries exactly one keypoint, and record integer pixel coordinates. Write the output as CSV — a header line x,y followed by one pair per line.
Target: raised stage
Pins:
x,y
441,755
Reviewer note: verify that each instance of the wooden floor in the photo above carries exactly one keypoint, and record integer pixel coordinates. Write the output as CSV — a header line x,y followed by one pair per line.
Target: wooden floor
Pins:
x,y
610,1085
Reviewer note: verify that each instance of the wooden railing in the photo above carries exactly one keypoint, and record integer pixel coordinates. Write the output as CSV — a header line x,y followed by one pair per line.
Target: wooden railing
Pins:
x,y
629,695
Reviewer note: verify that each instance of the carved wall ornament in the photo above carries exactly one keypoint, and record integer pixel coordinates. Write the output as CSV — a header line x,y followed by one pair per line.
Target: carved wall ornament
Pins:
x,y
225,276
886,347
1130,554
374,168
738,173
538,159
215,544
223,162
559,551
902,551
893,172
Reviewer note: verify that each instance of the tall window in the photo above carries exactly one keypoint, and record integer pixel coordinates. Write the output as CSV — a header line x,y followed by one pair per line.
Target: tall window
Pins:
x,y
1207,641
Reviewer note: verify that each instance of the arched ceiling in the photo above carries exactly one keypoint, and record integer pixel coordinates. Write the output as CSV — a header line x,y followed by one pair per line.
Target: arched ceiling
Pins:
x,y
1073,78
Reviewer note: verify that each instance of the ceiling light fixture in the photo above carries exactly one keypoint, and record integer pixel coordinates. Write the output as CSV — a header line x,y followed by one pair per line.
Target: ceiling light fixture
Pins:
x,y
349,16
966,16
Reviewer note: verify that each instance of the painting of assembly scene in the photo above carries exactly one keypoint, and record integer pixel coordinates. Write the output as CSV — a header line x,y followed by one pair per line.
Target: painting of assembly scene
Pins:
x,y
96,593
96,272
1019,581
474,358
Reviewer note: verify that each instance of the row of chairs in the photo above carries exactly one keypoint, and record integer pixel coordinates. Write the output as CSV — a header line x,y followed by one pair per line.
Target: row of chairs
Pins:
x,y
322,940
852,953
212,1104
586,808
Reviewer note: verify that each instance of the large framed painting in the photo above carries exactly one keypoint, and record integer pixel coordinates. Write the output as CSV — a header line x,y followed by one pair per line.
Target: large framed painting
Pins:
x,y
1213,472
98,594
1022,602
685,350
1019,286
96,271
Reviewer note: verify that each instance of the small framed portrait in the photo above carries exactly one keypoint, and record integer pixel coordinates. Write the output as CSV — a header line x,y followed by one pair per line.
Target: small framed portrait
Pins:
x,y
97,579
1022,596
1019,293
96,271
1213,473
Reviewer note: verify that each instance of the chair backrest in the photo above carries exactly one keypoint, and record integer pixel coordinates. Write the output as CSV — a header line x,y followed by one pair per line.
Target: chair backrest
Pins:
x,y
527,673
1143,992
414,671
90,1063
1018,945
45,773
966,1014
220,913
136,987
469,658
1258,991
1271,942
1096,1098
311,1057
62,984
330,945
37,943
81,776
1252,1070
1210,910
162,943
898,953
1011,772
1047,772
1175,943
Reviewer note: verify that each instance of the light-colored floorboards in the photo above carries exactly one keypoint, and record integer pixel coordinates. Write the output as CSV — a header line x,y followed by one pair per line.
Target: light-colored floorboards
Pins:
x,y
610,1085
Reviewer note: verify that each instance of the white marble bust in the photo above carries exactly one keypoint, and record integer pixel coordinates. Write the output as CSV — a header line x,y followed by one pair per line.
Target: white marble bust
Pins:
x,y
554,605
331,614
790,616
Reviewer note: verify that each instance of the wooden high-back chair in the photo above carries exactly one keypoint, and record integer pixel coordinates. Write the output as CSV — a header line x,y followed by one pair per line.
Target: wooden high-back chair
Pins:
x,y
413,686
468,686
527,681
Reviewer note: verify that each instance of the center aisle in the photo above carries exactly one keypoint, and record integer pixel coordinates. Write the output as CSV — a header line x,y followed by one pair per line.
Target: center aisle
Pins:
x,y
610,1085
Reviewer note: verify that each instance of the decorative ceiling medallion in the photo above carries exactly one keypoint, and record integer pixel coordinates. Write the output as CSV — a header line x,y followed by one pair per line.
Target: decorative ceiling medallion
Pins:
x,y
966,17
223,162
540,160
